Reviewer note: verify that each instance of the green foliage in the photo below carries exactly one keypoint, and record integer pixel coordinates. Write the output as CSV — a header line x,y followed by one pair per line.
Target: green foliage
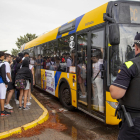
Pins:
x,y
22,40
15,52
26,38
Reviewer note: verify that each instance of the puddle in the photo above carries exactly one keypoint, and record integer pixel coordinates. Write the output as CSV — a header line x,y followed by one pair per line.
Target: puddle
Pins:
x,y
73,130
58,121
76,132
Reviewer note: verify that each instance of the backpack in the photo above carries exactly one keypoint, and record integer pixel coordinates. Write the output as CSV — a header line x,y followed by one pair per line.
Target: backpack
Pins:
x,y
20,84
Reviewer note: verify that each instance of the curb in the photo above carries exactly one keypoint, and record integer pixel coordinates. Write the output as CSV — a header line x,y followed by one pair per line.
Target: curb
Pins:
x,y
44,117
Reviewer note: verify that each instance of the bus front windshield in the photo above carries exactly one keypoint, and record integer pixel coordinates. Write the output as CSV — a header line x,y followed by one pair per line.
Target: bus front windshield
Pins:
x,y
125,50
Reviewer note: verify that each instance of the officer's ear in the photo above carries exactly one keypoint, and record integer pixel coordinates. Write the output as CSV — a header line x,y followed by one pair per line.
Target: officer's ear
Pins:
x,y
136,48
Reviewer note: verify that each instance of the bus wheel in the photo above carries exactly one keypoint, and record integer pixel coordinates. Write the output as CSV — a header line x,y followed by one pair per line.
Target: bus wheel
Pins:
x,y
65,97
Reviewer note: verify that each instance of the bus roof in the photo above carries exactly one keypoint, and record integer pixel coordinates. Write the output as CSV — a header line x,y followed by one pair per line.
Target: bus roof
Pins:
x,y
85,21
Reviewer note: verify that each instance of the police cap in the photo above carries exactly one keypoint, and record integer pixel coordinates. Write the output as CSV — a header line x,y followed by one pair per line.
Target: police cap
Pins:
x,y
137,39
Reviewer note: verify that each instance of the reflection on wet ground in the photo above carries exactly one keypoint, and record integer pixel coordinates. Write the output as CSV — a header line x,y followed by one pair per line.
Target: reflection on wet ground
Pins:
x,y
73,130
76,132
79,126
101,130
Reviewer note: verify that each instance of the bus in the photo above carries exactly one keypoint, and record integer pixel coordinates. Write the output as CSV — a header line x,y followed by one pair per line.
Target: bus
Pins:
x,y
78,61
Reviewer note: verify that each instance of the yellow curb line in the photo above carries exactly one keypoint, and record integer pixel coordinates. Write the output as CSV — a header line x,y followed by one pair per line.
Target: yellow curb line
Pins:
x,y
41,119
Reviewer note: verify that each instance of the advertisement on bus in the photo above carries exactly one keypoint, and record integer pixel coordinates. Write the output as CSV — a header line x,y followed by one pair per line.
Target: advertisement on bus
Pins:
x,y
48,82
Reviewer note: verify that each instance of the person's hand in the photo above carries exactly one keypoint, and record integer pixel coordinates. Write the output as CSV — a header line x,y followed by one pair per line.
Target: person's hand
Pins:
x,y
6,86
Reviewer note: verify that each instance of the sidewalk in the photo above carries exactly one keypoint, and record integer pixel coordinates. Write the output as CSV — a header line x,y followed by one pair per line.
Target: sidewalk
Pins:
x,y
26,119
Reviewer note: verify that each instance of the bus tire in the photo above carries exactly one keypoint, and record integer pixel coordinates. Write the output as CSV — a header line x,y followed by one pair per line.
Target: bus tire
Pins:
x,y
65,97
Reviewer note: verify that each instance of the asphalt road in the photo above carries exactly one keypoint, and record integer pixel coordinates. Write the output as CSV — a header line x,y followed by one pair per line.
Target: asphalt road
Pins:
x,y
76,125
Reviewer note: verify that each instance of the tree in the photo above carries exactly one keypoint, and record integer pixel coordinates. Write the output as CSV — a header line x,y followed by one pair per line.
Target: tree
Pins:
x,y
15,52
26,38
22,40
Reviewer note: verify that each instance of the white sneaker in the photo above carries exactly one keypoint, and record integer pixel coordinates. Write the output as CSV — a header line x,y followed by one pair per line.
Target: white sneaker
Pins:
x,y
8,106
83,96
28,103
17,102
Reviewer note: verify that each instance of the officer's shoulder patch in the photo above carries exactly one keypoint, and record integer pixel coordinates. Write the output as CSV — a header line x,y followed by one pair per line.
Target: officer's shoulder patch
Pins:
x,y
128,64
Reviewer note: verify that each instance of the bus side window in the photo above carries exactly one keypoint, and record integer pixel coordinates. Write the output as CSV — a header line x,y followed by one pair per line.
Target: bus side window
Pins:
x,y
67,53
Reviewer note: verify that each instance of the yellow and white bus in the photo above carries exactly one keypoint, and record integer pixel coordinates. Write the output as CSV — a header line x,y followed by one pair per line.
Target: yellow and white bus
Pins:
x,y
84,56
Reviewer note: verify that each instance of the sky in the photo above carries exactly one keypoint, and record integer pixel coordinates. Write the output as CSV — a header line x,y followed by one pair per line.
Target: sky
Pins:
x,y
19,17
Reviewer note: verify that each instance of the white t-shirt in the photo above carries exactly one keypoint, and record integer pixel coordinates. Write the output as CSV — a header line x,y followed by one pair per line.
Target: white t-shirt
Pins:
x,y
49,63
8,69
30,66
32,62
96,68
69,62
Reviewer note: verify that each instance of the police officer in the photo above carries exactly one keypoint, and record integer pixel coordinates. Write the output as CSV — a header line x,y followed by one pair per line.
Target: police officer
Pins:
x,y
126,88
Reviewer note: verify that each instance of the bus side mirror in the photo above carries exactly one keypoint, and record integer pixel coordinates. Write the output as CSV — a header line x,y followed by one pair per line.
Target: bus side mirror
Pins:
x,y
114,34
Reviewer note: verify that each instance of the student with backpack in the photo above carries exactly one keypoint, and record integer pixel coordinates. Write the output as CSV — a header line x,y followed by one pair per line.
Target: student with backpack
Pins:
x,y
16,68
23,79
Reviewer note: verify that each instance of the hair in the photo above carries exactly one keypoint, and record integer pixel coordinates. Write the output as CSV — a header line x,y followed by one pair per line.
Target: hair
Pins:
x,y
138,45
26,53
18,59
20,55
1,54
57,58
14,57
52,59
64,54
7,55
97,53
67,54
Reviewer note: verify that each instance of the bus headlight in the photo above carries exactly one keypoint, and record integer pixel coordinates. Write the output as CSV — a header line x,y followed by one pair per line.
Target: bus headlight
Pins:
x,y
113,104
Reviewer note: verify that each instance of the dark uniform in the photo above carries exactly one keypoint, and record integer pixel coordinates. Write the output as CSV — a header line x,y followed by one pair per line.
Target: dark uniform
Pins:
x,y
128,78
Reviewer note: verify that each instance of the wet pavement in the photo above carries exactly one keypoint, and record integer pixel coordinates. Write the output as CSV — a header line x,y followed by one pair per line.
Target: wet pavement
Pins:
x,y
69,125
19,117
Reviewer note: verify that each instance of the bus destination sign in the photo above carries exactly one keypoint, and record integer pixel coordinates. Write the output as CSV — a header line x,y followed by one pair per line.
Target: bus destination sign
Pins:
x,y
135,14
